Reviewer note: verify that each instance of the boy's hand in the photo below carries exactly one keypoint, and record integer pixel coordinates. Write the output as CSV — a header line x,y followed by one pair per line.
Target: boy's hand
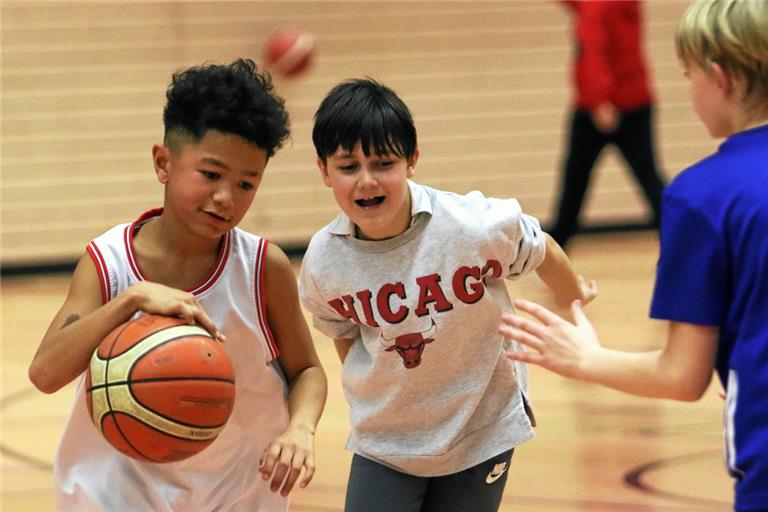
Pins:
x,y
588,289
158,299
286,456
557,344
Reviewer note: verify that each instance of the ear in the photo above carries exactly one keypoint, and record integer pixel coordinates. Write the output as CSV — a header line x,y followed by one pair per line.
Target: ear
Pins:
x,y
161,157
723,78
323,168
411,170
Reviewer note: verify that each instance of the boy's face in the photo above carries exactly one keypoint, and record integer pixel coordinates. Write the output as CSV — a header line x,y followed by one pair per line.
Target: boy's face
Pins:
x,y
210,185
372,190
708,91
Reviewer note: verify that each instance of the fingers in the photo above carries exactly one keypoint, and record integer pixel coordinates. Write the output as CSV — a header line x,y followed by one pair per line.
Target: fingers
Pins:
x,y
284,464
523,331
541,313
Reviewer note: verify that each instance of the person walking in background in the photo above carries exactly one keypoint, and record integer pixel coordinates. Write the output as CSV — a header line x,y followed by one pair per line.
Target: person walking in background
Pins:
x,y
613,104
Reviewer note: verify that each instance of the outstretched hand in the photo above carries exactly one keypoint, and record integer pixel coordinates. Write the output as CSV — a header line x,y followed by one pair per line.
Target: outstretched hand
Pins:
x,y
553,342
286,456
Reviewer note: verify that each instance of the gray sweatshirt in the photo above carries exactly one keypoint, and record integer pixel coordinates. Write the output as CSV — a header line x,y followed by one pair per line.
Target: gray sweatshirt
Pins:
x,y
429,388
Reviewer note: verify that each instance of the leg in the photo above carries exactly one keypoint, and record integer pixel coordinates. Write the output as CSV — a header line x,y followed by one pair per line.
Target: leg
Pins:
x,y
478,488
635,140
584,147
373,487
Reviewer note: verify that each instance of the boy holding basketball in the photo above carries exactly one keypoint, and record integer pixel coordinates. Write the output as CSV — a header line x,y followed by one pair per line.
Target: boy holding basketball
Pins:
x,y
188,259
715,220
409,282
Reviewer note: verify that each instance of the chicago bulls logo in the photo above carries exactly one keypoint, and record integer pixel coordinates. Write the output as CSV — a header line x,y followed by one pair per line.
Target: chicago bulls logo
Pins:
x,y
410,346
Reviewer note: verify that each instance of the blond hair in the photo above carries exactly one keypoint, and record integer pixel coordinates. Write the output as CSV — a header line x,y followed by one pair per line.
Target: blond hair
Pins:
x,y
732,33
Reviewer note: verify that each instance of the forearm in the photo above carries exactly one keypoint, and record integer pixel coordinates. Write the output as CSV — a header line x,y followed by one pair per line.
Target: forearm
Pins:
x,y
67,347
638,373
306,398
556,272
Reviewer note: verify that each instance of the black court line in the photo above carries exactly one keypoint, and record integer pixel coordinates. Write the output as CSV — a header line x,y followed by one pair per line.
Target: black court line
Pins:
x,y
634,478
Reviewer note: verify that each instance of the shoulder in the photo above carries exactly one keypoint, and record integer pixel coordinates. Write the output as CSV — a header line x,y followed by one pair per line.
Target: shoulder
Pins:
x,y
700,182
476,208
275,260
116,232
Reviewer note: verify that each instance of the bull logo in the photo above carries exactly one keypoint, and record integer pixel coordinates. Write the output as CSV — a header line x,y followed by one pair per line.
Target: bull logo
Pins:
x,y
410,346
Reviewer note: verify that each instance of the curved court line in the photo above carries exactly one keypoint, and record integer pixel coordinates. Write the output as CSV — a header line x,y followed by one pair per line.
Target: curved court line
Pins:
x,y
634,478
11,452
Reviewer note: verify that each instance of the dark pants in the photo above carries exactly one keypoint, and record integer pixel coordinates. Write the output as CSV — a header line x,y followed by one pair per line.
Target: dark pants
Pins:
x,y
633,137
374,487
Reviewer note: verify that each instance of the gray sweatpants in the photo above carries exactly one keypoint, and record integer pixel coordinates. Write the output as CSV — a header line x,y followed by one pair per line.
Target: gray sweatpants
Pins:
x,y
373,487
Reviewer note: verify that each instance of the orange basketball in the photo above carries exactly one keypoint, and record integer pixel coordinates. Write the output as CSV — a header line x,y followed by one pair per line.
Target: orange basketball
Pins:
x,y
160,390
289,52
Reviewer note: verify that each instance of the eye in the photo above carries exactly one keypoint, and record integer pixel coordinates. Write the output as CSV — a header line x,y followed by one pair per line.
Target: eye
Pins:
x,y
246,185
211,175
384,164
347,167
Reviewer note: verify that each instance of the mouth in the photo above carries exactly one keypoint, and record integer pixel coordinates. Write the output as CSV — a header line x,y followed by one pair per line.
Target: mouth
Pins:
x,y
369,202
215,216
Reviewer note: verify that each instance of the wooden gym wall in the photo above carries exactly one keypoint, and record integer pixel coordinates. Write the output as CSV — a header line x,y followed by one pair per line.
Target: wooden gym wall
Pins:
x,y
83,89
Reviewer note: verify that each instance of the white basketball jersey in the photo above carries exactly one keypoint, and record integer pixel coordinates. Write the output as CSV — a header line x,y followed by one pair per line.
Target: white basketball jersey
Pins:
x,y
91,475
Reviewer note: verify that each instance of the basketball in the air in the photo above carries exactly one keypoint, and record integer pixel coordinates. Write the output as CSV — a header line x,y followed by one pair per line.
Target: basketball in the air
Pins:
x,y
289,52
159,389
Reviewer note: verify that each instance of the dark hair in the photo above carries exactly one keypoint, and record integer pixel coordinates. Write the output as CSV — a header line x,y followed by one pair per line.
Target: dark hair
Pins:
x,y
365,111
234,98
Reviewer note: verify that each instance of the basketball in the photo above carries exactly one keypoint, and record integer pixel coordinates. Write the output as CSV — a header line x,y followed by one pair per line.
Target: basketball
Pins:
x,y
289,52
159,389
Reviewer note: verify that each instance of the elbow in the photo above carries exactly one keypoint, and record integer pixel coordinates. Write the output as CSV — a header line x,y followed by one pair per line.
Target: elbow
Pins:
x,y
42,379
684,389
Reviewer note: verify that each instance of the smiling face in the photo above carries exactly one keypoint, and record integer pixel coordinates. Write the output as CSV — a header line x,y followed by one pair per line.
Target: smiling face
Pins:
x,y
209,184
372,190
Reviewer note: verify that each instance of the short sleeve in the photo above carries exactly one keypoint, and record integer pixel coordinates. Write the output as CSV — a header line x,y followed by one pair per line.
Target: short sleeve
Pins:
x,y
531,246
324,318
692,272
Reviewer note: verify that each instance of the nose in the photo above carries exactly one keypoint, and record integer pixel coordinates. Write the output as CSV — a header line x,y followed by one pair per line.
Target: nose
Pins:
x,y
222,195
366,179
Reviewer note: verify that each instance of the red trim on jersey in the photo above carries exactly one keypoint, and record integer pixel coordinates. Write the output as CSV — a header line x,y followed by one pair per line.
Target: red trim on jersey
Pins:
x,y
261,305
218,268
206,283
101,268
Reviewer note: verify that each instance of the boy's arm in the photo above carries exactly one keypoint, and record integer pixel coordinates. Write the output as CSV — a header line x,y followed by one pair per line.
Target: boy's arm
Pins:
x,y
681,370
342,347
307,386
83,322
76,330
557,273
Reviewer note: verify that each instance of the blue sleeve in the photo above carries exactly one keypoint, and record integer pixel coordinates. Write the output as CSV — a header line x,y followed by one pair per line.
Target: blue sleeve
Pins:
x,y
692,272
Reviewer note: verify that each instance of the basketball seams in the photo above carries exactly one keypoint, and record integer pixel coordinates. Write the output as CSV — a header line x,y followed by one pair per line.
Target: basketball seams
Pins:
x,y
117,394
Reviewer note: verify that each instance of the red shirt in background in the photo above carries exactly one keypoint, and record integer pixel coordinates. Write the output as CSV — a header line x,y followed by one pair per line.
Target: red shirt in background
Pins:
x,y
610,65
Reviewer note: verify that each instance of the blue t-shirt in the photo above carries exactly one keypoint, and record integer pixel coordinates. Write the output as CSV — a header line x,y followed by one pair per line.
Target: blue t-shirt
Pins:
x,y
713,270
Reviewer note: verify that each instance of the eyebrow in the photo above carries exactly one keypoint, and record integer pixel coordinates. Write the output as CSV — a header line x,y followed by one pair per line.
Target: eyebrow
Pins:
x,y
219,163
214,161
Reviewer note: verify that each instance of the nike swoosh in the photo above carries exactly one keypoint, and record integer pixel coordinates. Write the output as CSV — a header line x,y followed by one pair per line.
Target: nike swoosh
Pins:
x,y
492,478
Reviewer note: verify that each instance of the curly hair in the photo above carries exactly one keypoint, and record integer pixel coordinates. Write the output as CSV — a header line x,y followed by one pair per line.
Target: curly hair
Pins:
x,y
234,98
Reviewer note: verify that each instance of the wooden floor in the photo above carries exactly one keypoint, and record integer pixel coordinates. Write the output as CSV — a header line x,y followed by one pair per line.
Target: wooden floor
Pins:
x,y
596,450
